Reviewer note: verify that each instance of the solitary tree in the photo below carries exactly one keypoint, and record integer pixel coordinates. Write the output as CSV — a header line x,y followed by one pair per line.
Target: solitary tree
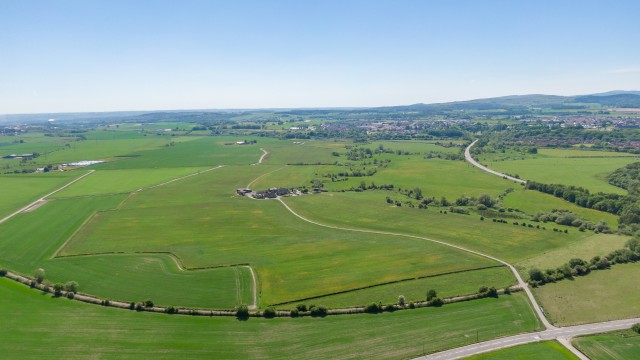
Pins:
x,y
71,286
431,294
39,275
401,300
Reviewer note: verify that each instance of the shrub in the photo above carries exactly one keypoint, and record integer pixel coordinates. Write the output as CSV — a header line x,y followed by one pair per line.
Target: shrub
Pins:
x,y
57,289
431,294
148,304
294,313
507,290
171,310
483,289
412,305
492,292
636,328
373,308
390,308
70,295
301,307
3,272
39,275
139,306
132,305
269,312
401,300
318,311
107,302
242,312
437,302
71,286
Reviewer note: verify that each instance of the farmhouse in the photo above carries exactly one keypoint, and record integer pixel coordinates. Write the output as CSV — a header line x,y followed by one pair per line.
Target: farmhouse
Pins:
x,y
243,191
272,193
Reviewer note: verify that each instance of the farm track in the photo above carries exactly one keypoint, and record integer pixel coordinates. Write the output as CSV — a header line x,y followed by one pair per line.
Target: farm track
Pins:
x,y
521,282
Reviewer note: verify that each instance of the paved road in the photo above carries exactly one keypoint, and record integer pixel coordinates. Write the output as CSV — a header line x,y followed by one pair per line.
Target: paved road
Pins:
x,y
563,334
467,156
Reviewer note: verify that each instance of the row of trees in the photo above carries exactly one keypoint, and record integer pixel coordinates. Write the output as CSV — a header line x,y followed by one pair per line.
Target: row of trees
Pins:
x,y
563,217
578,267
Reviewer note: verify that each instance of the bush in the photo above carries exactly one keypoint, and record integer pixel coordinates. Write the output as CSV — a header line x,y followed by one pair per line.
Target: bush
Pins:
x,y
148,304
437,302
3,272
70,295
412,305
57,289
294,313
171,310
390,308
318,311
636,328
301,307
132,306
431,294
242,312
269,313
373,308
492,292
483,289
71,286
401,300
507,290
139,306
39,275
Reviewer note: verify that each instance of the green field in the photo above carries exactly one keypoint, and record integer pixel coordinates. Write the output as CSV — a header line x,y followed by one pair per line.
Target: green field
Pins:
x,y
617,345
587,169
16,191
548,350
66,328
532,202
464,283
600,296
369,210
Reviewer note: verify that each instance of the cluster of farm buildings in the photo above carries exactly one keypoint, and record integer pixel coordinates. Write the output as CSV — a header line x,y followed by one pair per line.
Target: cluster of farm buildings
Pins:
x,y
271,193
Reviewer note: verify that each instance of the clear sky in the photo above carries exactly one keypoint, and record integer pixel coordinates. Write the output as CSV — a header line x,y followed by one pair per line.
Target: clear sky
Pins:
x,y
106,55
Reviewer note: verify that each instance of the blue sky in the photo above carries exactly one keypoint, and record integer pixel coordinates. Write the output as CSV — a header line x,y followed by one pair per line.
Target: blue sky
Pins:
x,y
65,56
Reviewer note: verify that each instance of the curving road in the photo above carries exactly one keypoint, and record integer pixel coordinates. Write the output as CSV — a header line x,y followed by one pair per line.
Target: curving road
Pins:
x,y
467,156
562,334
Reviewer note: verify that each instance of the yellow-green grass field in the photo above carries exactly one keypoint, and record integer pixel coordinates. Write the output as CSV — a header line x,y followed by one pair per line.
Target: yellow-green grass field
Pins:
x,y
616,345
587,169
600,296
548,350
42,326
532,202
201,221
463,283
369,210
587,248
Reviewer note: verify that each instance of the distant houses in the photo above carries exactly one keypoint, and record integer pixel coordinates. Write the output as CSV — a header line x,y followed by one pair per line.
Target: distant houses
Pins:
x,y
19,156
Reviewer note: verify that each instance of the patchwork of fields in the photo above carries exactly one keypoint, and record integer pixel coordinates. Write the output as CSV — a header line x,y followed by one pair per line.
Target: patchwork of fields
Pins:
x,y
160,220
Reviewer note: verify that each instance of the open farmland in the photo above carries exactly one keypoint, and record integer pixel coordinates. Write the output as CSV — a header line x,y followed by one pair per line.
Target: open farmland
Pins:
x,y
600,296
587,169
618,345
84,330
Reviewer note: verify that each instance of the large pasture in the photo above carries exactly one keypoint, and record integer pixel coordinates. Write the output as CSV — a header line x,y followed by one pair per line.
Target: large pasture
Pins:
x,y
587,169
80,330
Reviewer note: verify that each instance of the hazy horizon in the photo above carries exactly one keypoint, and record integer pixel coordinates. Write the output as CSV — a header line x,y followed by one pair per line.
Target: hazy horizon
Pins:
x,y
67,56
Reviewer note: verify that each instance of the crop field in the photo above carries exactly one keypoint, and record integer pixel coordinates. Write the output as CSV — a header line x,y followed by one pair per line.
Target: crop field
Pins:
x,y
221,227
461,283
17,191
548,350
617,345
587,169
104,182
600,296
80,330
509,242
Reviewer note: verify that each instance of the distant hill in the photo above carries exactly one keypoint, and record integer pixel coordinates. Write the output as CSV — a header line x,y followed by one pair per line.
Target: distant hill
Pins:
x,y
615,92
624,100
